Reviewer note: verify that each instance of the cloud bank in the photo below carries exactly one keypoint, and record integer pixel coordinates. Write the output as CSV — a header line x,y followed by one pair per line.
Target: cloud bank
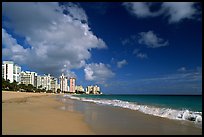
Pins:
x,y
58,42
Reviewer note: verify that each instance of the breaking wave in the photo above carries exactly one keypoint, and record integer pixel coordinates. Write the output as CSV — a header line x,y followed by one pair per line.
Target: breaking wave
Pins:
x,y
185,114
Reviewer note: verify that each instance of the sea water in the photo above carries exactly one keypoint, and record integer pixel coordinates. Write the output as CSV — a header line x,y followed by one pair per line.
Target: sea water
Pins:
x,y
179,107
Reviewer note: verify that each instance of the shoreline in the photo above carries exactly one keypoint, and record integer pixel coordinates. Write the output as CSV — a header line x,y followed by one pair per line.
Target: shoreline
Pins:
x,y
37,113
110,120
53,114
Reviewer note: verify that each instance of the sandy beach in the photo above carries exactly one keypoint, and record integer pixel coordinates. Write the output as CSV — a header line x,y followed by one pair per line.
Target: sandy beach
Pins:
x,y
38,113
109,120
50,114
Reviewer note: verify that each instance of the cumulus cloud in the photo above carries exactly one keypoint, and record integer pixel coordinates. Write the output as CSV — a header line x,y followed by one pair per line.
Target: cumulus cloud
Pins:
x,y
121,63
75,11
139,54
175,11
13,49
151,40
98,72
141,9
55,39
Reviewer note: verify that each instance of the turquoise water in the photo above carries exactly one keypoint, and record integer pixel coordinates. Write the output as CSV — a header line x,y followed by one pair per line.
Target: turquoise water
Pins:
x,y
180,102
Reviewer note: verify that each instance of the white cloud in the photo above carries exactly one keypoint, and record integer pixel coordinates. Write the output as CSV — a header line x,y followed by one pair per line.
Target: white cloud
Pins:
x,y
140,9
182,69
75,11
175,11
56,39
151,40
13,49
142,55
121,63
98,72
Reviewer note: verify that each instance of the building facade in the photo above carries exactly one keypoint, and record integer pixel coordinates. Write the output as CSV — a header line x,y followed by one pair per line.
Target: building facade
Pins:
x,y
63,83
46,82
11,71
28,77
54,84
39,82
93,90
72,84
79,88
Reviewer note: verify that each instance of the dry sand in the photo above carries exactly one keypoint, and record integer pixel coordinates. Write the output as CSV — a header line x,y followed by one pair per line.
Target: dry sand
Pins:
x,y
39,113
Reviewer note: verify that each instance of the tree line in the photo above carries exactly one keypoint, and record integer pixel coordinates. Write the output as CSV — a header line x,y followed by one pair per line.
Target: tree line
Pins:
x,y
14,86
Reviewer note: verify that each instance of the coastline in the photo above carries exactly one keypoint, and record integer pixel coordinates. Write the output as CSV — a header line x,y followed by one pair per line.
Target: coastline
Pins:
x,y
110,120
39,113
51,114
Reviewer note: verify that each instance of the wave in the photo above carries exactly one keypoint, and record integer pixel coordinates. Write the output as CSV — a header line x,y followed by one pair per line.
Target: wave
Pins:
x,y
185,114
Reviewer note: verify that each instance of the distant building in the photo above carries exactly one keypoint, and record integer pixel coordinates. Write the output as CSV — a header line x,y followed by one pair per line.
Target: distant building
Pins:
x,y
46,82
11,71
58,86
68,88
53,84
79,88
28,77
88,89
63,83
72,84
39,82
93,90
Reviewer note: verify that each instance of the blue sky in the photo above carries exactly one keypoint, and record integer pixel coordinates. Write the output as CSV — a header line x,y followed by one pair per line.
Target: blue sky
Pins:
x,y
126,48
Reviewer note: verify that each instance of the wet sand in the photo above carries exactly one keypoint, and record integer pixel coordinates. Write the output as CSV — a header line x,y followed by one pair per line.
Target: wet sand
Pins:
x,y
39,113
108,120
49,114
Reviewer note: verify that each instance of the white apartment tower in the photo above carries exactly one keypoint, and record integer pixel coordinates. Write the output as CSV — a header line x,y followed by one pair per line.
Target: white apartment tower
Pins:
x,y
63,83
53,83
28,77
11,71
46,82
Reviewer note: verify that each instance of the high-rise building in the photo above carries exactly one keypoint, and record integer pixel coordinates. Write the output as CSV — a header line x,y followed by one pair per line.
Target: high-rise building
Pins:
x,y
79,88
39,82
93,90
53,84
68,88
88,89
28,77
11,71
63,83
72,84
46,82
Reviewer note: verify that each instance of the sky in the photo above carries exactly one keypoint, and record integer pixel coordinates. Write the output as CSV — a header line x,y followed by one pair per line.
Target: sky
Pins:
x,y
124,47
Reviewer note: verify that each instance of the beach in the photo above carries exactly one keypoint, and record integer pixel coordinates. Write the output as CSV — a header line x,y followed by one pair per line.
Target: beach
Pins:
x,y
110,120
39,113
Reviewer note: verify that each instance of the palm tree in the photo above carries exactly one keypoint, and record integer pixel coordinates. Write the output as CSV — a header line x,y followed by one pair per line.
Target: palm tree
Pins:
x,y
15,85
22,87
30,88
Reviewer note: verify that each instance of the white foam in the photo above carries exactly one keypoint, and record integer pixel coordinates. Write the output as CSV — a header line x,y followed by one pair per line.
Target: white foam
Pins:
x,y
152,110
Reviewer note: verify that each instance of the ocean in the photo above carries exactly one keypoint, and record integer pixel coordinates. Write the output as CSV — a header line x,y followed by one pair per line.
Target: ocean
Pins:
x,y
178,107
